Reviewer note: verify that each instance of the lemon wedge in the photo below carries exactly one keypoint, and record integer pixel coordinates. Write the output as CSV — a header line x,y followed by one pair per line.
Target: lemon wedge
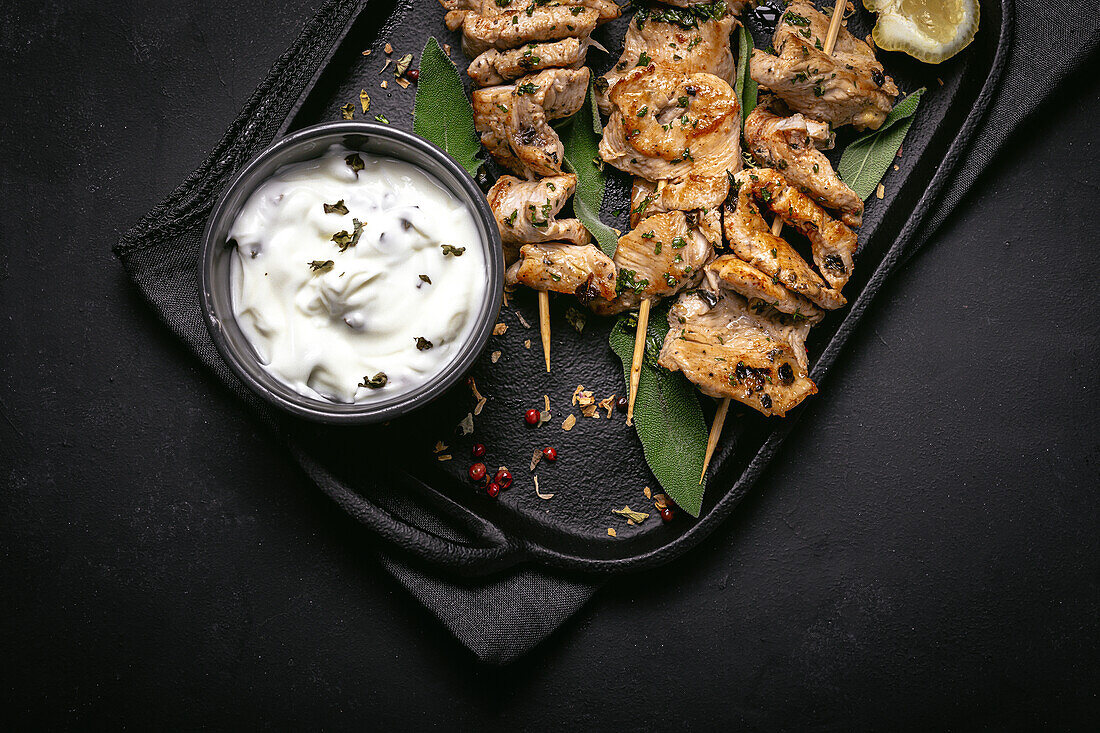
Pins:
x,y
928,30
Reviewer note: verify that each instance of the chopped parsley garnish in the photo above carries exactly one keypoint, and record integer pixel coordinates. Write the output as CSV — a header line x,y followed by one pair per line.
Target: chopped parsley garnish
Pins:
x,y
376,382
354,162
628,280
344,240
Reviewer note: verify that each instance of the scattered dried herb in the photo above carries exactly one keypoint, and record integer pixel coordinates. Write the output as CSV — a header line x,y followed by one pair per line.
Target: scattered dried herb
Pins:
x,y
321,265
376,382
449,249
403,64
337,208
355,162
538,493
631,515
347,111
344,240
364,100
423,344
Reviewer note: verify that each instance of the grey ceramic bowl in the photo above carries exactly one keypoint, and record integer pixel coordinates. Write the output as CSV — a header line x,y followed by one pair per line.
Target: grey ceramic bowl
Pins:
x,y
307,144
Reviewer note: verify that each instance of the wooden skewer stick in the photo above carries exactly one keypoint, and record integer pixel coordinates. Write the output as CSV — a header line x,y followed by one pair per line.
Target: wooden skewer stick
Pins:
x,y
544,325
715,434
834,26
777,227
639,342
639,352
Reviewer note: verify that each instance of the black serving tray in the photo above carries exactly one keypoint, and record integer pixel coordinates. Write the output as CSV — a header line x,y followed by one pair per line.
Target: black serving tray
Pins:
x,y
430,509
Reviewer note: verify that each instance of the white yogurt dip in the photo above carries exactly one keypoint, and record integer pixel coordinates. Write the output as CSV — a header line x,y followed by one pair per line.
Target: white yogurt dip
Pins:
x,y
355,312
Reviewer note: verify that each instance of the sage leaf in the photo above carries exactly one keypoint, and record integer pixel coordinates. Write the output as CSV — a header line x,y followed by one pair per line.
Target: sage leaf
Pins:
x,y
442,114
744,86
865,161
580,135
667,416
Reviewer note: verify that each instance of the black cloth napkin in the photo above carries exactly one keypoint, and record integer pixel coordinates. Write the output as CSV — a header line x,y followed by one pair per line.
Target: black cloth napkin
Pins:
x,y
503,616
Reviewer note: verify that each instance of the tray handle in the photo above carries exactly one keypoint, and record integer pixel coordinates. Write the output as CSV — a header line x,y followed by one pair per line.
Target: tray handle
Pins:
x,y
490,550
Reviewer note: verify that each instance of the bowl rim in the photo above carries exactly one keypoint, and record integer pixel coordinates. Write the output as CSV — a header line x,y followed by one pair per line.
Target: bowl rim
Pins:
x,y
359,413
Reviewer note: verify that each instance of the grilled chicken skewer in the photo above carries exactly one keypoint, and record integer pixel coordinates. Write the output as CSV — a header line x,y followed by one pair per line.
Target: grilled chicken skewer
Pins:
x,y
682,130
513,121
675,120
841,84
777,227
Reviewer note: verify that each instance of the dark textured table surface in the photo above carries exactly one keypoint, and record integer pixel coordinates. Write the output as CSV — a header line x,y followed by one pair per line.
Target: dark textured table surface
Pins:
x,y
926,551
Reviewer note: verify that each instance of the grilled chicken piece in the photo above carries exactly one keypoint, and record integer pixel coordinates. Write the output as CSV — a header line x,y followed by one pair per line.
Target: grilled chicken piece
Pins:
x,y
458,10
727,349
565,268
847,88
525,211
788,144
536,100
645,202
732,273
661,257
492,118
513,120
497,67
833,243
486,25
751,238
544,23
648,198
701,46
733,7
679,128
